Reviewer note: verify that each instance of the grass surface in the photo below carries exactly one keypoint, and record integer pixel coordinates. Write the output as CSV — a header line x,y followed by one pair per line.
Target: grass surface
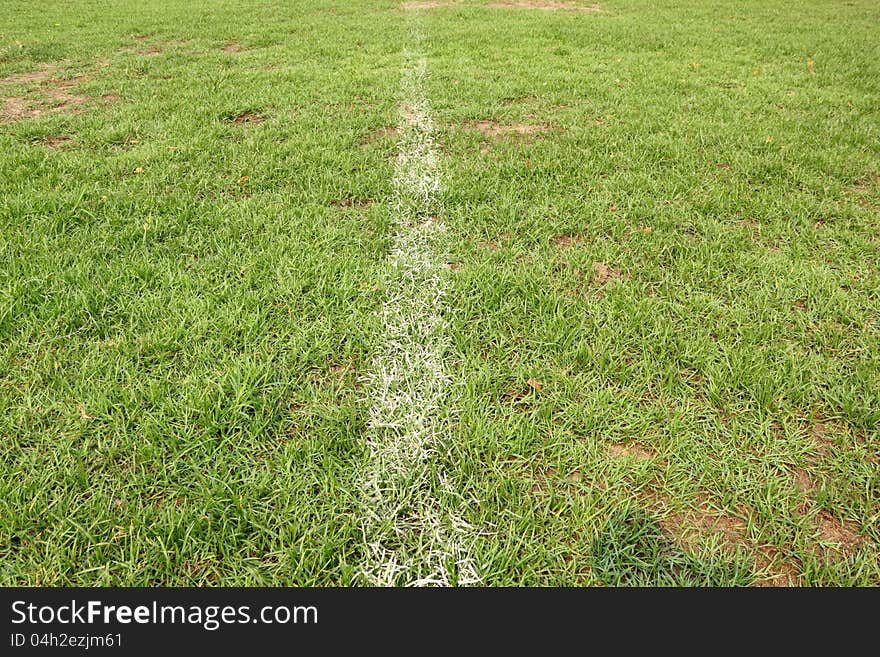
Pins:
x,y
663,226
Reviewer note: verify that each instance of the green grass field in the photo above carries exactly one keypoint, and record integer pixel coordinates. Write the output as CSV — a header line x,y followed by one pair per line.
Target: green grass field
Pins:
x,y
661,310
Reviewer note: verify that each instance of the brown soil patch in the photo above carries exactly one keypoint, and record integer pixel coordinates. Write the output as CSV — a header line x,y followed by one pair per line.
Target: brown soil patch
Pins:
x,y
689,525
356,203
779,572
247,118
709,520
53,96
544,5
541,477
152,52
493,245
566,241
862,189
603,273
528,98
437,4
495,130
823,432
380,135
803,481
630,450
138,37
40,75
56,141
60,90
455,266
843,535
15,109
233,47
864,185
703,519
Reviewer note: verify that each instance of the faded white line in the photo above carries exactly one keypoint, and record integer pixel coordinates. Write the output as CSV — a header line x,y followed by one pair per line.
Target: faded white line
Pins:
x,y
411,535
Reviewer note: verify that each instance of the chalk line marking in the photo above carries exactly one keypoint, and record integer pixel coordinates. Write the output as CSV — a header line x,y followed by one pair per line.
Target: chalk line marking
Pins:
x,y
411,536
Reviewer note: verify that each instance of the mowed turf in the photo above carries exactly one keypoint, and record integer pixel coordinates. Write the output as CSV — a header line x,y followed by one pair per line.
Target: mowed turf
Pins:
x,y
189,288
663,229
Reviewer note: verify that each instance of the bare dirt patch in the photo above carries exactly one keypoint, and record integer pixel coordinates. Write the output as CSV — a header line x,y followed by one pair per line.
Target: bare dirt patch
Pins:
x,y
437,4
61,96
824,432
496,130
540,479
41,74
779,571
493,245
839,538
803,481
233,48
15,109
843,536
56,141
862,190
380,134
514,100
355,203
544,5
566,241
603,273
247,118
151,52
630,451
51,96
864,185
703,519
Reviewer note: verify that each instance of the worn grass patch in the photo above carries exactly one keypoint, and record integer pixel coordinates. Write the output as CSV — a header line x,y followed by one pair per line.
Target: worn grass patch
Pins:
x,y
633,549
545,5
42,93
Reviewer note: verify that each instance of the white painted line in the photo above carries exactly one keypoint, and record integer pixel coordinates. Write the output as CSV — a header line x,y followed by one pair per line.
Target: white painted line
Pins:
x,y
410,538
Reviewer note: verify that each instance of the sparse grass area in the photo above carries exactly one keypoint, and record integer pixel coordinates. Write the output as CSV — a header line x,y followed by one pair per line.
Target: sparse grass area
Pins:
x,y
663,224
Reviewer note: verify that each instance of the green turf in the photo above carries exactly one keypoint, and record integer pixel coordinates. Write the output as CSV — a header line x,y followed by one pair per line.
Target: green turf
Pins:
x,y
189,303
